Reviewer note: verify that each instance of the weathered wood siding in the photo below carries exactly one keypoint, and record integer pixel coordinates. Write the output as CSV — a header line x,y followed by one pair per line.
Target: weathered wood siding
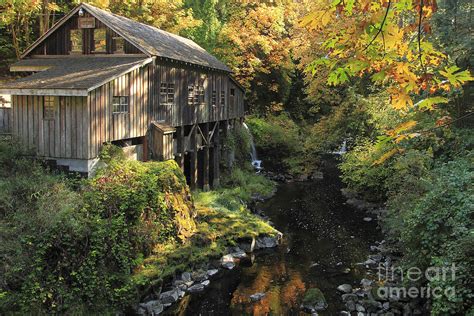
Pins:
x,y
5,120
65,136
59,42
180,112
82,124
106,126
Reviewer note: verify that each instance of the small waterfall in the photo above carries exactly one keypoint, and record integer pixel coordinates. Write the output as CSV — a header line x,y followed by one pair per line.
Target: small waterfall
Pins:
x,y
342,150
256,163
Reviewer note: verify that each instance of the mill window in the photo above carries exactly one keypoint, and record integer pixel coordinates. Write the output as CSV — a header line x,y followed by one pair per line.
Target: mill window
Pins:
x,y
200,95
167,93
222,98
49,107
119,46
100,41
232,92
191,94
120,104
76,41
214,98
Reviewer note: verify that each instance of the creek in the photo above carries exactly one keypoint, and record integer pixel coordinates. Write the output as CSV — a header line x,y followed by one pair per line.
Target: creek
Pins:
x,y
324,240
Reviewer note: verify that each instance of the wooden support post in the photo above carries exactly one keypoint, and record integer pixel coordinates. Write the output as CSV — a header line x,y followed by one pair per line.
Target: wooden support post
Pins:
x,y
145,148
216,154
180,147
205,165
194,159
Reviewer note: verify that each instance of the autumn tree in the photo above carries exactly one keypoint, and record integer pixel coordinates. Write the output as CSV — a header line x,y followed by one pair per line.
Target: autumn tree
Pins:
x,y
390,43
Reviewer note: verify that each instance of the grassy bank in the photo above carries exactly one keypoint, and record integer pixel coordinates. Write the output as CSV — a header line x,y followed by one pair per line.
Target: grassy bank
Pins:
x,y
95,246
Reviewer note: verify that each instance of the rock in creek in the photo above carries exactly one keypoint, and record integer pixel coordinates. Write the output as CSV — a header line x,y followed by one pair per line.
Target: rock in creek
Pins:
x,y
345,288
186,276
227,262
257,297
351,306
366,283
151,308
196,288
266,242
228,265
169,297
212,272
238,253
314,301
200,276
349,297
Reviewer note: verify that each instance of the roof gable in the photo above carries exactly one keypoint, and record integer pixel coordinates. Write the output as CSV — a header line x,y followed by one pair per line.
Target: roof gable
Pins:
x,y
146,38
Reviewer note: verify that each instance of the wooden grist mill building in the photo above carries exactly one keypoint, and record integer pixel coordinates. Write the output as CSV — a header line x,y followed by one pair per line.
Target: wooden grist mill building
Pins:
x,y
99,77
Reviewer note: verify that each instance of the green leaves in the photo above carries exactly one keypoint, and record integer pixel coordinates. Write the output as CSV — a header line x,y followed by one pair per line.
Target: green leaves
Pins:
x,y
337,76
429,103
456,77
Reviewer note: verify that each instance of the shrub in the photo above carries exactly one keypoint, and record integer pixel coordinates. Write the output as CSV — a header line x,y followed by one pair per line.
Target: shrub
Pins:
x,y
111,152
67,251
438,231
361,174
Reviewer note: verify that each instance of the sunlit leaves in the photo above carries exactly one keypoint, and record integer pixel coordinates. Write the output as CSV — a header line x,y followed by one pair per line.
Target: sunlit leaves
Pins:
x,y
387,156
429,103
456,77
400,100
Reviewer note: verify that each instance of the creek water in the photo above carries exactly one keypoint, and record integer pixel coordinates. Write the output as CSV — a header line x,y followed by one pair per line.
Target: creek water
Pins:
x,y
324,239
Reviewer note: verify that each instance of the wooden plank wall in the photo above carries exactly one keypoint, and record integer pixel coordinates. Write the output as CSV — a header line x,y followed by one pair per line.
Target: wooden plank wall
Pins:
x,y
5,120
106,126
65,136
180,113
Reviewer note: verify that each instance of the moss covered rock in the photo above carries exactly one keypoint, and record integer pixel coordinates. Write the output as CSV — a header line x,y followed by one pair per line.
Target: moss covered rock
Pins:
x,y
314,300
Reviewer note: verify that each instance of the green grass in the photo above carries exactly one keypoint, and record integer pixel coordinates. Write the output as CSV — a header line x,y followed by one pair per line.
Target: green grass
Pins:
x,y
221,220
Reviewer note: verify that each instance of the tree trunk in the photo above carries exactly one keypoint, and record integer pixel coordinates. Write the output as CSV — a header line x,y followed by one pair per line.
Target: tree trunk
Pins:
x,y
44,17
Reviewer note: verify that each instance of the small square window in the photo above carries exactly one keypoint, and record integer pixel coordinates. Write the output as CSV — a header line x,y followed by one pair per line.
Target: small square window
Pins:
x,y
222,98
120,104
166,93
214,98
191,94
49,107
232,92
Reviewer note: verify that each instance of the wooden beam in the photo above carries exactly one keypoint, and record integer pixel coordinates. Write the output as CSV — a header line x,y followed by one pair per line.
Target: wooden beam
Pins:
x,y
194,159
55,92
180,147
205,171
216,154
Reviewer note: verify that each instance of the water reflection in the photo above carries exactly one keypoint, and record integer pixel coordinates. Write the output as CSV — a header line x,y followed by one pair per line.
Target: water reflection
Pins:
x,y
324,241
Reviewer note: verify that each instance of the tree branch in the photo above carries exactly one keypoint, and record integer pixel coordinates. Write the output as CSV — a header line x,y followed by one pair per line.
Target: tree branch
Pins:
x,y
381,25
419,33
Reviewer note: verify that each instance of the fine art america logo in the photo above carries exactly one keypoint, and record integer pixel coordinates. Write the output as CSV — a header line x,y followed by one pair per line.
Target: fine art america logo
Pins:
x,y
393,275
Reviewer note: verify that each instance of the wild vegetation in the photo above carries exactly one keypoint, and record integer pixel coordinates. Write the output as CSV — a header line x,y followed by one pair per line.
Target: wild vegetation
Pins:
x,y
72,245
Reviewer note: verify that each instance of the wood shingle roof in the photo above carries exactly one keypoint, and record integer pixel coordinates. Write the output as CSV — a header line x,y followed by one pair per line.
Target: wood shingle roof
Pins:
x,y
148,39
70,75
